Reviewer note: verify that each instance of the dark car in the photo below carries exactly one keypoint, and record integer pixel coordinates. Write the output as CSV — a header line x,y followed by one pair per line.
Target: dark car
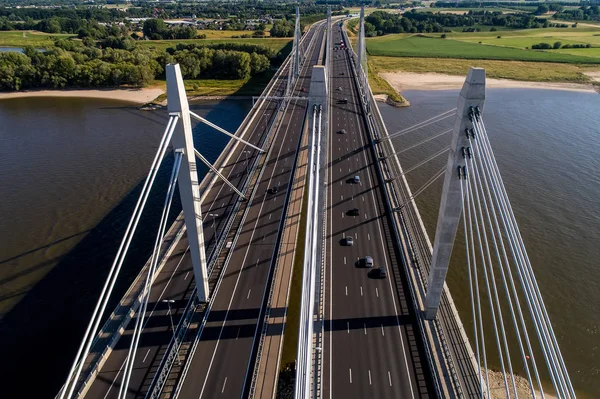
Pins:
x,y
344,101
353,212
272,190
382,272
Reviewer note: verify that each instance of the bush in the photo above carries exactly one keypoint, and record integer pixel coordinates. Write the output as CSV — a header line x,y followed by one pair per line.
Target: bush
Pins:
x,y
443,36
541,46
493,29
498,37
557,45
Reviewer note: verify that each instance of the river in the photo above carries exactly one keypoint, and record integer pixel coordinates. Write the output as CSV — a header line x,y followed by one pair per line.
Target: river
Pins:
x,y
547,144
70,172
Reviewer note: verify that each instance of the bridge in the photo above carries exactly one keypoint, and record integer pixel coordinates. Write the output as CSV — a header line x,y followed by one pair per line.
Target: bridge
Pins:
x,y
311,185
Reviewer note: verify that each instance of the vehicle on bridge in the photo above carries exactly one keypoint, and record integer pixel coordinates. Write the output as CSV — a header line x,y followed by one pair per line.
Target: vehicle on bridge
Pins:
x,y
344,101
356,179
368,261
348,241
272,190
353,212
343,131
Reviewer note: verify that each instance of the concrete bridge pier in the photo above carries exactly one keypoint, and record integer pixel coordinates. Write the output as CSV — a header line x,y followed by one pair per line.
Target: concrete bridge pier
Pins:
x,y
188,176
471,95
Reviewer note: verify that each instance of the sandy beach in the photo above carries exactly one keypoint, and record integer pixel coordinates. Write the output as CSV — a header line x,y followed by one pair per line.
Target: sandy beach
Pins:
x,y
138,96
436,81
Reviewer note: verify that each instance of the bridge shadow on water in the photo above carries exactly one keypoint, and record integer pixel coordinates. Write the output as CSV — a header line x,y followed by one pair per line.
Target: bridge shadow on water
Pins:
x,y
40,335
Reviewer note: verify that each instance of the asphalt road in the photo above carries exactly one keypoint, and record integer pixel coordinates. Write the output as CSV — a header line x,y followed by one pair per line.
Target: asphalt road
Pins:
x,y
223,361
175,282
370,347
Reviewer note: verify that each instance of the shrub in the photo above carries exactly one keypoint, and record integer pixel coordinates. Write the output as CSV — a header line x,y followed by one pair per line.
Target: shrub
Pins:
x,y
557,45
443,36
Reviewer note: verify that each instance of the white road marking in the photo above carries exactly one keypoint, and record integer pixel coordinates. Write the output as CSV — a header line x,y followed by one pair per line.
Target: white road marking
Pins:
x,y
370,382
248,296
143,361
369,236
363,198
390,378
365,215
344,260
346,290
270,216
377,292
382,332
348,325
224,383
342,197
356,235
350,376
186,275
222,205
342,215
361,291
365,327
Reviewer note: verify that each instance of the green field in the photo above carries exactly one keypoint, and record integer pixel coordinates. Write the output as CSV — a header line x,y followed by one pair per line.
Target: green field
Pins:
x,y
422,46
28,38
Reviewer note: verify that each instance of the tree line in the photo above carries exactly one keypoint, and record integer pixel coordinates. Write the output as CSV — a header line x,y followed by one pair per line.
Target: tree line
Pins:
x,y
380,23
73,64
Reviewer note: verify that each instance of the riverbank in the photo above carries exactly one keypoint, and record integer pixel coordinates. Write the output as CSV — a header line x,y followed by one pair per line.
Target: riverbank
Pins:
x,y
137,96
436,81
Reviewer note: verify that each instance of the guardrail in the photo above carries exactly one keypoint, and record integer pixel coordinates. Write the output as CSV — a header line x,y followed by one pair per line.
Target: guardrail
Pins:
x,y
390,192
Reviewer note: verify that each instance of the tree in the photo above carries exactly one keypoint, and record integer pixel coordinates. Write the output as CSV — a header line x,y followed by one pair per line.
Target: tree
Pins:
x,y
154,27
557,45
542,9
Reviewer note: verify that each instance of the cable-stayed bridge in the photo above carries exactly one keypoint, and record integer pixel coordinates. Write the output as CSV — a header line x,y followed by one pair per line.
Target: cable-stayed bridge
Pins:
x,y
311,185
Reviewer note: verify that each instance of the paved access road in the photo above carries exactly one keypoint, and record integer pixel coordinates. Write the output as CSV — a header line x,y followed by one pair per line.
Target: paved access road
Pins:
x,y
370,346
224,358
176,280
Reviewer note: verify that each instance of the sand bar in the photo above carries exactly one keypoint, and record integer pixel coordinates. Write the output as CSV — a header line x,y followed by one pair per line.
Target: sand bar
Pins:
x,y
139,96
436,81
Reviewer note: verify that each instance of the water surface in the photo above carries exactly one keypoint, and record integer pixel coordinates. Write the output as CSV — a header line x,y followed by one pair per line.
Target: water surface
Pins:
x,y
547,144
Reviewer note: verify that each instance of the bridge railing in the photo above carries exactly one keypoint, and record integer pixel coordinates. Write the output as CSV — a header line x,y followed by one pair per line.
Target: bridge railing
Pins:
x,y
437,350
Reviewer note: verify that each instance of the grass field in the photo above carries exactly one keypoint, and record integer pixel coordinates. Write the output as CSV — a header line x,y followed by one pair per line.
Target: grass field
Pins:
x,y
421,46
516,70
28,38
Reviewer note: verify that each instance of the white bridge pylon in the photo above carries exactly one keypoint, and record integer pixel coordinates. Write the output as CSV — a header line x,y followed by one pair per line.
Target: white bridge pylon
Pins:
x,y
188,177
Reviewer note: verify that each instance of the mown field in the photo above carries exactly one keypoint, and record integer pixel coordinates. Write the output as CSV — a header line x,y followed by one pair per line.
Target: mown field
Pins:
x,y
28,38
436,47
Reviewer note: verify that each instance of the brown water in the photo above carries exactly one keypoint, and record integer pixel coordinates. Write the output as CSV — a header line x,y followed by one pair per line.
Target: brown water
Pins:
x,y
547,145
70,174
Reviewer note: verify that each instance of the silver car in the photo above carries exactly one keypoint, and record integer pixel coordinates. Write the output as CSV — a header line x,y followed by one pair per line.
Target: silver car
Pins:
x,y
368,261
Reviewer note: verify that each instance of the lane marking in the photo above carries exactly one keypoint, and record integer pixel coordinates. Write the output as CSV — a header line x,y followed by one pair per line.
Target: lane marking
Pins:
x,y
346,290
344,260
361,291
363,198
370,382
390,378
365,327
369,236
342,215
350,376
382,332
377,292
248,296
144,361
224,383
186,275
348,325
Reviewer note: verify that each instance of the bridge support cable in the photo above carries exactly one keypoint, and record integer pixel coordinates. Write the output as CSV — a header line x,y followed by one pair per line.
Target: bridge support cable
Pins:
x,y
220,129
139,322
424,187
533,297
474,286
482,171
420,125
215,171
92,328
420,143
489,278
423,162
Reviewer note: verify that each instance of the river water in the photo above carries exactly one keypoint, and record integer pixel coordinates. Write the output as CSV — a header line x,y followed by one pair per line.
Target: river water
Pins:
x,y
70,173
547,144
71,170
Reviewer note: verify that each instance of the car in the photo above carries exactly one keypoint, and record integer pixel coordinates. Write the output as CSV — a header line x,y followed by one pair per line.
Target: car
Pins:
x,y
349,241
340,88
344,101
353,212
382,272
356,180
272,190
302,89
368,261
342,73
343,131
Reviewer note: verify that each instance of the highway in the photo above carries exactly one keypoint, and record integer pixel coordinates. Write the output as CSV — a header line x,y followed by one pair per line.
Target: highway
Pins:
x,y
223,361
371,347
176,279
